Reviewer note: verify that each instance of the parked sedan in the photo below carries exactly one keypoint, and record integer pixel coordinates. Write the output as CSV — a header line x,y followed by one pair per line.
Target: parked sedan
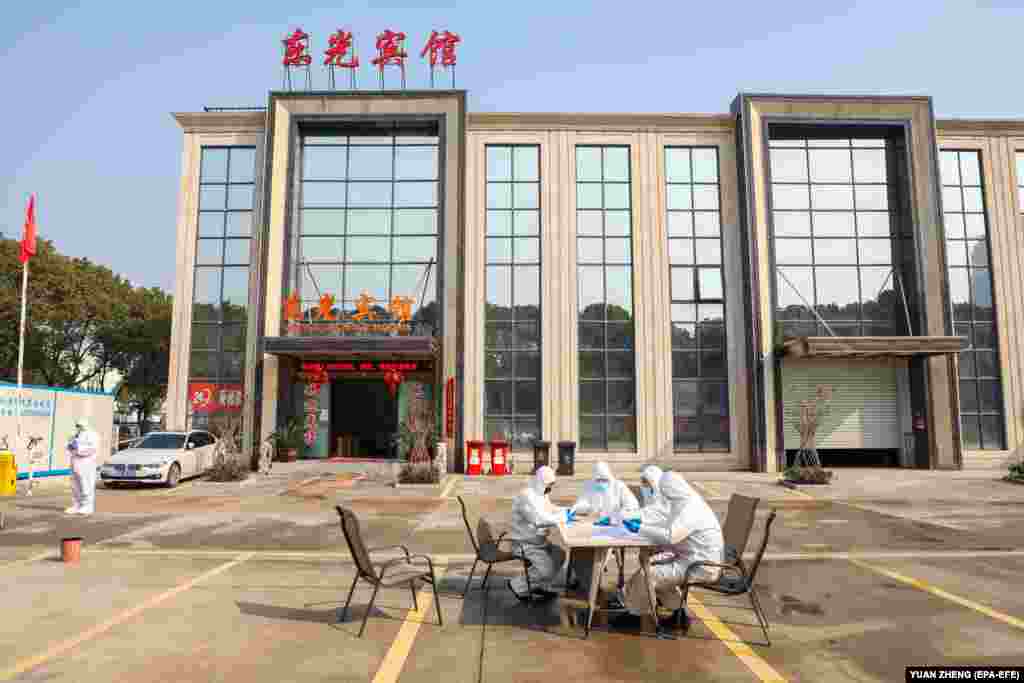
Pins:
x,y
161,457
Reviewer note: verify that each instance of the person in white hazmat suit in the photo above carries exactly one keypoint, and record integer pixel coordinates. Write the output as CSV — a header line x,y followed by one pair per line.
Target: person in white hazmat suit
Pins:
x,y
82,451
605,496
611,501
650,494
684,514
533,516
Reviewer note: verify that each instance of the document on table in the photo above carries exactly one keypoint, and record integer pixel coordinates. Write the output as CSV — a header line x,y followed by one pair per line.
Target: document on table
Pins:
x,y
617,532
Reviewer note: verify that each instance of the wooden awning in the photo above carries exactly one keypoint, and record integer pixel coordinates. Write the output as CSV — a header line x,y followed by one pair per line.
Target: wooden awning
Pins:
x,y
328,348
871,347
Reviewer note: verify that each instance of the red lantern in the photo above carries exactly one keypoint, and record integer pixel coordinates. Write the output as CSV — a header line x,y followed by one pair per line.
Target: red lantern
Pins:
x,y
393,378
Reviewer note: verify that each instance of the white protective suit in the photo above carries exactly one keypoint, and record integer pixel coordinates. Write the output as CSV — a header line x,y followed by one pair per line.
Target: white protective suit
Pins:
x,y
533,515
82,451
685,512
652,475
616,499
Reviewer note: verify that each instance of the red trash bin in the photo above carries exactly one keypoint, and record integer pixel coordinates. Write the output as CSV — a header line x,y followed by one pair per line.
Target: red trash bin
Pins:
x,y
474,457
499,457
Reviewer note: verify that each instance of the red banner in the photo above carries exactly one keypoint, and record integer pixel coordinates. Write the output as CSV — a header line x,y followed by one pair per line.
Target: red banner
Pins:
x,y
449,407
208,397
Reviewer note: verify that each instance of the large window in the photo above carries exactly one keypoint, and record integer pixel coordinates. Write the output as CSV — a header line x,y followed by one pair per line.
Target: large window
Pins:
x,y
221,285
970,293
604,256
700,391
833,235
512,338
368,224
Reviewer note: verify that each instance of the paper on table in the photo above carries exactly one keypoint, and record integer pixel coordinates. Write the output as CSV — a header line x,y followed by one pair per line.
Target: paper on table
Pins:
x,y
612,532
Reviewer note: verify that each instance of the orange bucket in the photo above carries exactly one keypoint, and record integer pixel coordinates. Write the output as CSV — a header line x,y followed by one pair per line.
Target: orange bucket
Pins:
x,y
71,550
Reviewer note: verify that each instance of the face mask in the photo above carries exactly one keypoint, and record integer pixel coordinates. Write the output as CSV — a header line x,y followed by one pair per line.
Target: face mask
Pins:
x,y
646,492
601,487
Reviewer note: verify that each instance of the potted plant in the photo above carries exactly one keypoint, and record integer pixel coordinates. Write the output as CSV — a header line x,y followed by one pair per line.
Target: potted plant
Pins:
x,y
806,467
1016,473
289,439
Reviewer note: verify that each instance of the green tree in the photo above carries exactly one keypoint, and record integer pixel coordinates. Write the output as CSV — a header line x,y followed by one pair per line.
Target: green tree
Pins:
x,y
70,301
83,321
138,348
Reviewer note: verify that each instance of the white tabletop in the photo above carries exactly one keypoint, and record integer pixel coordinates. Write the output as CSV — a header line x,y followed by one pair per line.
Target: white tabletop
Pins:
x,y
583,534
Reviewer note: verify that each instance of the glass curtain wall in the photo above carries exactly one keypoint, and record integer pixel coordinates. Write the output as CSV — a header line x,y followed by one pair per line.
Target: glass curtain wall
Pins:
x,y
700,390
604,255
221,285
512,337
969,270
368,227
834,238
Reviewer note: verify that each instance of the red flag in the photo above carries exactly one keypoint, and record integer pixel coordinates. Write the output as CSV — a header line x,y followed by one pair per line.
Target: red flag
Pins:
x,y
28,238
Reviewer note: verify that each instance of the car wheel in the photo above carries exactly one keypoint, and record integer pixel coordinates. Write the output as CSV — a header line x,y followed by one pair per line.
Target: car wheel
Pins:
x,y
173,476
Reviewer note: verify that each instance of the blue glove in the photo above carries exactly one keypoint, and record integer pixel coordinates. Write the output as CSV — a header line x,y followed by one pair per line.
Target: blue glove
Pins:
x,y
604,521
570,516
632,524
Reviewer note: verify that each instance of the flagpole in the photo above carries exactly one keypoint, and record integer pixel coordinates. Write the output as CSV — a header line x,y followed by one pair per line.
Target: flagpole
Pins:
x,y
21,367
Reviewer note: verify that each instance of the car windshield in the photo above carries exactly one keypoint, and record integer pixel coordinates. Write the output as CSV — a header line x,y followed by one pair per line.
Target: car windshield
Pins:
x,y
162,441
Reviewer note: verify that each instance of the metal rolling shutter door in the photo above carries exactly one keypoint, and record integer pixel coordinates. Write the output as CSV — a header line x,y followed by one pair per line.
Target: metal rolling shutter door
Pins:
x,y
865,408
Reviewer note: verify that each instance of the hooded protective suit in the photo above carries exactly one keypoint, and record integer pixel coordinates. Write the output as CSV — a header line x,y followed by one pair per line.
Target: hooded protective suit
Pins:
x,y
533,515
683,511
82,451
651,474
616,496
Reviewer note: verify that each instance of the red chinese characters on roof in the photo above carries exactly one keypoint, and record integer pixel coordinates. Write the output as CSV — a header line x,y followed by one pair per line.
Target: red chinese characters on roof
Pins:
x,y
389,49
441,43
340,42
296,48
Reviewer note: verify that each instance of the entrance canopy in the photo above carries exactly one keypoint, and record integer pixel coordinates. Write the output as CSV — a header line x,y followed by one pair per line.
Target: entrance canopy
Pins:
x,y
309,348
870,347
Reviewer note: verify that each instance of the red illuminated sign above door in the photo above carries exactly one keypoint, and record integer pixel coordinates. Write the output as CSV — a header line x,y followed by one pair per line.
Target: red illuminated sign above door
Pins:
x,y
366,366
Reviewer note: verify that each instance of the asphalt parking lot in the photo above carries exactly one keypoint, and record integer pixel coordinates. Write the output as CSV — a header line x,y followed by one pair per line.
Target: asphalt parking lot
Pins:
x,y
212,583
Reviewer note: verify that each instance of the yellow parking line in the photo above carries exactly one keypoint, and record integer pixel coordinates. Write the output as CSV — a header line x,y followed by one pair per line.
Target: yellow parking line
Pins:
x,y
711,490
448,487
395,659
98,630
928,588
800,494
760,668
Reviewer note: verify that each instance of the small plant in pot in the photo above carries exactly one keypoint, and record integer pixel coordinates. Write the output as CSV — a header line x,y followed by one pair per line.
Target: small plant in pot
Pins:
x,y
289,439
806,467
1016,472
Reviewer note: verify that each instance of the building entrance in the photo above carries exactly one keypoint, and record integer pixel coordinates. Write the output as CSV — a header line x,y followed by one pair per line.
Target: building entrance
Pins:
x,y
363,419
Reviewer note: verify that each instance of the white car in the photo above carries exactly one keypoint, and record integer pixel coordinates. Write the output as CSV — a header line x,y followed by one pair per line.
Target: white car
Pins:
x,y
161,457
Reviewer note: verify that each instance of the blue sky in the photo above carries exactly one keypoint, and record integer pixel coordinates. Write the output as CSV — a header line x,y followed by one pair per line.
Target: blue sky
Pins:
x,y
90,85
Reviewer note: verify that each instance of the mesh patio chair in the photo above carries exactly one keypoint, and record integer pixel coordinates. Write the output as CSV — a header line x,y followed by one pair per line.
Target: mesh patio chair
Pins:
x,y
488,550
735,577
397,572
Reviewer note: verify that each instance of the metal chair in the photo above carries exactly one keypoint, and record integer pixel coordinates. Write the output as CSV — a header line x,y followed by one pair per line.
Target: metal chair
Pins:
x,y
402,570
488,550
735,578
